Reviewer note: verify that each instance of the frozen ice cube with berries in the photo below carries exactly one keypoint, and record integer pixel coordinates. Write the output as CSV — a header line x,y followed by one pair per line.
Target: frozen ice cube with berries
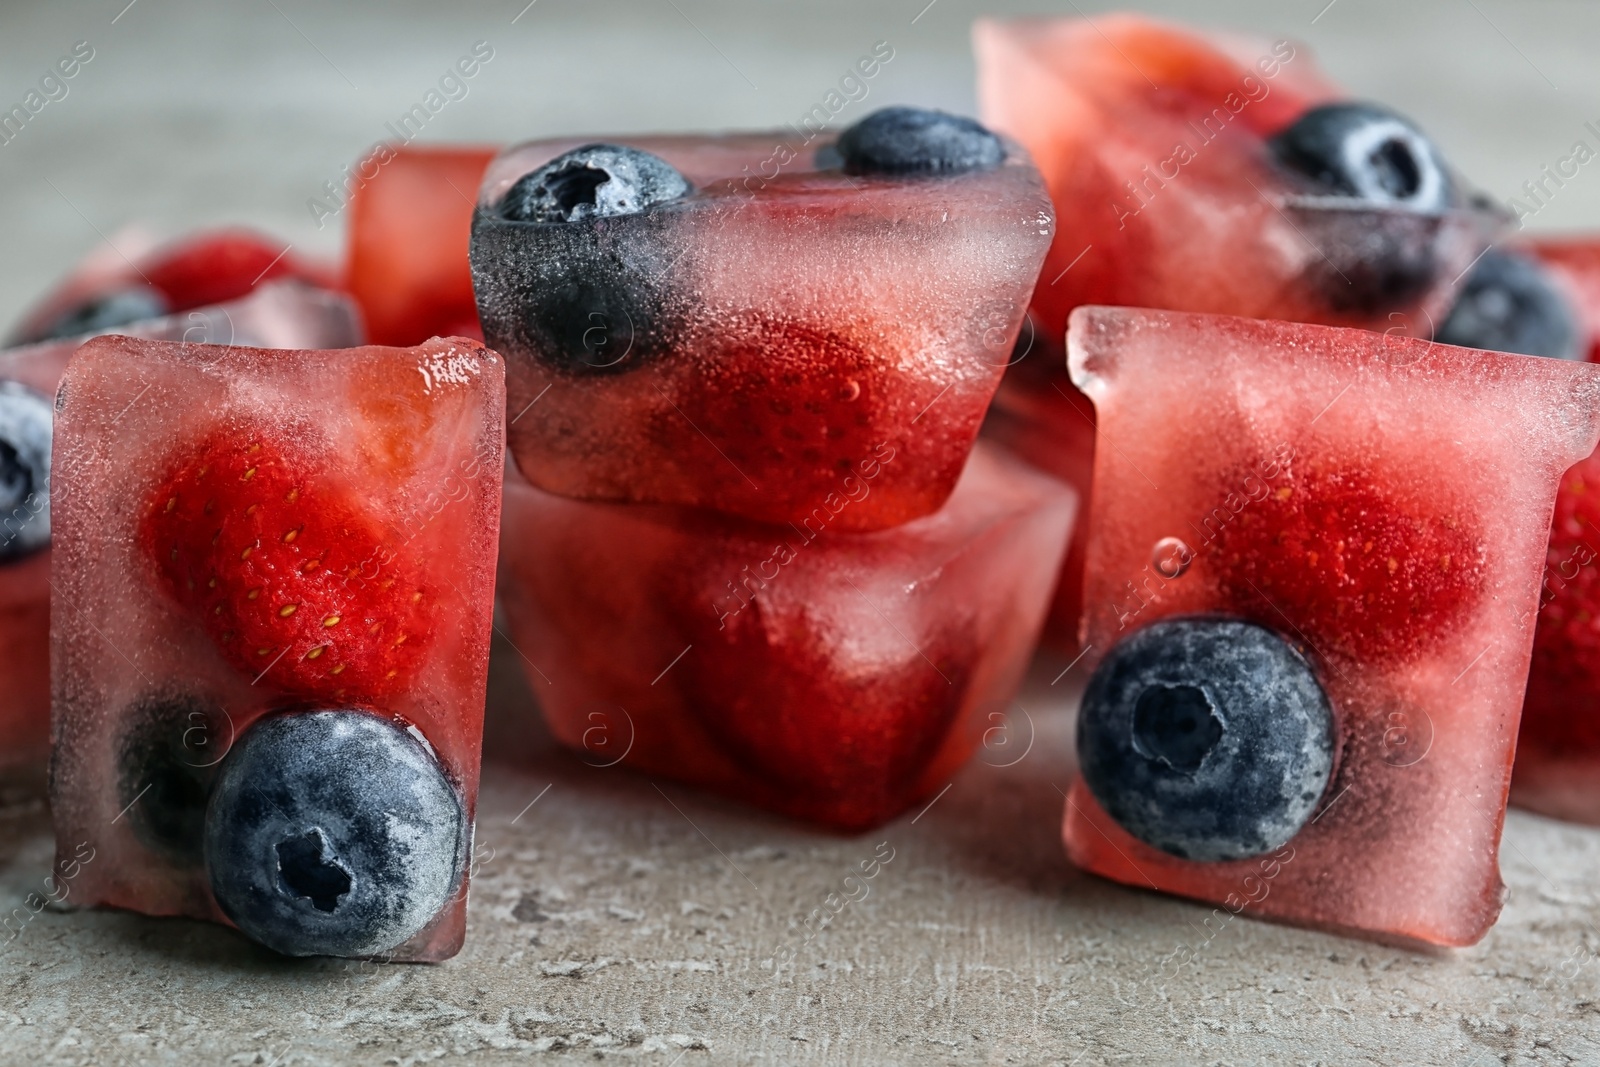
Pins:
x,y
834,677
274,581
1213,173
736,323
1313,571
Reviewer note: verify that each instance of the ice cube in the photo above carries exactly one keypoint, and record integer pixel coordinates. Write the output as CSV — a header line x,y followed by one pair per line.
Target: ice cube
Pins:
x,y
1549,303
109,291
279,315
1374,511
738,322
833,677
410,224
273,579
1211,173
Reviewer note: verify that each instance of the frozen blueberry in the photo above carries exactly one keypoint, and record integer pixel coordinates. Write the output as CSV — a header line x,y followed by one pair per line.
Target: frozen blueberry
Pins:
x,y
26,418
916,140
1510,304
103,313
1365,151
595,181
1207,738
593,299
166,763
333,833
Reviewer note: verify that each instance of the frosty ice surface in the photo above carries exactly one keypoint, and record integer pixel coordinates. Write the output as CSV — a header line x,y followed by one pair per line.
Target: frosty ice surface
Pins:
x,y
273,582
730,323
833,677
410,225
1374,510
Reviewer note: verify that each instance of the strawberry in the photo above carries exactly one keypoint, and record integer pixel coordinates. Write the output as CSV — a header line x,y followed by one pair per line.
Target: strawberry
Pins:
x,y
1350,568
808,414
1562,713
833,735
291,576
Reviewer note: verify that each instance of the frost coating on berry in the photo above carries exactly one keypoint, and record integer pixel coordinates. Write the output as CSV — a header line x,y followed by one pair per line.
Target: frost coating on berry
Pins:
x,y
595,181
26,419
1207,738
915,140
1510,304
1367,152
333,833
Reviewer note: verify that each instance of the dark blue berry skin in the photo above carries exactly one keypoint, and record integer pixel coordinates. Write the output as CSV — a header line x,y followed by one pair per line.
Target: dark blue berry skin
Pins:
x,y
1380,249
576,272
333,833
915,140
102,314
26,419
1367,152
595,181
1207,738
1509,303
166,763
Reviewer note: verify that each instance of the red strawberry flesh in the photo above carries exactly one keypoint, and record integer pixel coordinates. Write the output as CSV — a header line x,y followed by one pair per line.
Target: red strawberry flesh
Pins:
x,y
295,582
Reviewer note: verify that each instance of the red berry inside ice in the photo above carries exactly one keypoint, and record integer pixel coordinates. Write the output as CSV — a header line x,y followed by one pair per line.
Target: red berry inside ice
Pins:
x,y
1563,707
294,580
1348,564
854,739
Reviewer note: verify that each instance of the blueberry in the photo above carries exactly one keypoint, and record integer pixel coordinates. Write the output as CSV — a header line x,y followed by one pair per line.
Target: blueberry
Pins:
x,y
103,313
26,418
1510,304
333,833
1207,738
586,299
1367,152
595,181
166,764
916,140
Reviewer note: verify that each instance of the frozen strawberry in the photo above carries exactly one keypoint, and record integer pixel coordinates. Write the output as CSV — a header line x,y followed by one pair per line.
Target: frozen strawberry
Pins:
x,y
741,323
410,224
834,677
855,745
1336,557
289,574
1272,700
111,291
1210,173
270,644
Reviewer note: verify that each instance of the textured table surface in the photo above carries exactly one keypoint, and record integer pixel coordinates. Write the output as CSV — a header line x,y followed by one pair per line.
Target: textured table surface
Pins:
x,y
617,916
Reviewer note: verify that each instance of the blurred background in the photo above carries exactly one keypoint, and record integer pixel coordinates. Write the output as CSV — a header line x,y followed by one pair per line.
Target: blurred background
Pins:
x,y
192,113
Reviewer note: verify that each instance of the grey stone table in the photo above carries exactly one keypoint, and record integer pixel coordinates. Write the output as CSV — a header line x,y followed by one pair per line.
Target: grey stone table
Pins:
x,y
620,917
